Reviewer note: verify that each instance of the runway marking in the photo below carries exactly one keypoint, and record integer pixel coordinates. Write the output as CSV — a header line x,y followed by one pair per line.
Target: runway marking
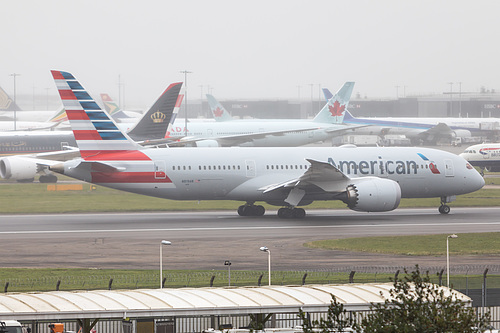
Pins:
x,y
242,228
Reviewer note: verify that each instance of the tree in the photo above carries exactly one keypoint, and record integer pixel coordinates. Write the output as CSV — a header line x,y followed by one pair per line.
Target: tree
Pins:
x,y
337,320
417,305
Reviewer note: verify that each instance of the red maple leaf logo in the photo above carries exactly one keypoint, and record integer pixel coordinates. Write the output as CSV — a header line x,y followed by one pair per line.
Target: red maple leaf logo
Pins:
x,y
336,110
218,112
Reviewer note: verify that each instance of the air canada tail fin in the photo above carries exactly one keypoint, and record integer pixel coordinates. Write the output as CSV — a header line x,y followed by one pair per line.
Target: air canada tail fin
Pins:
x,y
154,123
334,110
96,134
7,103
218,111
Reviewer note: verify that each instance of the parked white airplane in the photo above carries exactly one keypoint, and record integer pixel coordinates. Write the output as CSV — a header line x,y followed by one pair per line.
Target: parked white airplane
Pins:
x,y
20,125
366,179
485,156
428,129
266,132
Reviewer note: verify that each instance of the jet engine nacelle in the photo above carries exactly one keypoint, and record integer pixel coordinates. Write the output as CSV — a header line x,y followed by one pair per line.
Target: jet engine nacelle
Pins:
x,y
16,167
207,143
462,134
372,194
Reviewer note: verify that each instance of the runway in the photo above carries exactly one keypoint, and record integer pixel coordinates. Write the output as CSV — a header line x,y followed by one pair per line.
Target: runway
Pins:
x,y
203,240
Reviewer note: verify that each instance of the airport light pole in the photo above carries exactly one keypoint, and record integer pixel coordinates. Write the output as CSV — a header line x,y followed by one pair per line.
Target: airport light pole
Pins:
x,y
228,264
15,102
163,242
448,258
265,249
185,99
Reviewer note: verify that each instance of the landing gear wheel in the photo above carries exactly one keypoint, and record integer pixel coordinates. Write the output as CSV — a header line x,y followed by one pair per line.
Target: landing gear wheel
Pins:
x,y
284,213
251,210
444,209
298,213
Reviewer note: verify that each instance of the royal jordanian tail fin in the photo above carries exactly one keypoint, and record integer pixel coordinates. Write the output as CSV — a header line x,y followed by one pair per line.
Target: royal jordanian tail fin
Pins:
x,y
154,123
218,111
7,103
96,134
334,110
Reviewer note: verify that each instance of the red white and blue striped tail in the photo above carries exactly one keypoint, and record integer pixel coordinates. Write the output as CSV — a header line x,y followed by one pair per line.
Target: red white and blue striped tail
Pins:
x,y
95,132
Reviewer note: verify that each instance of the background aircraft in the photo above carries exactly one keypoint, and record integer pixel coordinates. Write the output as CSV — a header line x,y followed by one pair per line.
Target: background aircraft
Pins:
x,y
485,155
116,112
420,130
366,179
265,132
151,128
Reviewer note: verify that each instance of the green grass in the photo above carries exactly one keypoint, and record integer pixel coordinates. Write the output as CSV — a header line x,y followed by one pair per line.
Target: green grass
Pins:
x,y
428,245
29,280
34,198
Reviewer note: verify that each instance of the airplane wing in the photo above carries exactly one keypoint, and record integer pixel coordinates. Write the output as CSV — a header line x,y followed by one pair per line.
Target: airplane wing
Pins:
x,y
319,177
440,130
232,140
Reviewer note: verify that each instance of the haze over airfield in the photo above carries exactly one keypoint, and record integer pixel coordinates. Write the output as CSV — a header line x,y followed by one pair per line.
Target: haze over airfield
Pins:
x,y
253,49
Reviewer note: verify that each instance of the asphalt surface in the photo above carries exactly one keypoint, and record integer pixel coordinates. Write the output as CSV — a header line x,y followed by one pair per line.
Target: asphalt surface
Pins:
x,y
203,240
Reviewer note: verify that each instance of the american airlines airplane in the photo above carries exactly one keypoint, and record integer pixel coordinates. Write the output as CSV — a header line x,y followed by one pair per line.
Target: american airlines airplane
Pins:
x,y
485,156
366,179
425,129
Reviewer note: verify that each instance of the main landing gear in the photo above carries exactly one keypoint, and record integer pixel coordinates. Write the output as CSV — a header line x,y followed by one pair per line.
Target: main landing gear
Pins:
x,y
444,208
291,213
251,210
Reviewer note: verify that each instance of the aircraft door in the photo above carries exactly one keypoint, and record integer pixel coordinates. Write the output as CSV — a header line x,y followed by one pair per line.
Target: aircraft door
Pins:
x,y
250,168
485,153
448,168
160,170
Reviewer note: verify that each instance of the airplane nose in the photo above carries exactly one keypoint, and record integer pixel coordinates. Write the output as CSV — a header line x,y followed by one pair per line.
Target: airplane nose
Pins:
x,y
476,181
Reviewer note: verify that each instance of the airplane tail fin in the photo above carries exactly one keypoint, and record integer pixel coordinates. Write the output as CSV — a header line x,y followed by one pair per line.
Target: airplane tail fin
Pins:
x,y
328,94
59,116
95,132
334,110
218,111
174,115
109,105
154,123
7,103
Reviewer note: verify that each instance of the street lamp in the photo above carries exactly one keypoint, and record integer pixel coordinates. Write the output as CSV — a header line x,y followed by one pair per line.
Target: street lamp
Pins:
x,y
185,72
15,102
265,249
228,264
448,258
163,242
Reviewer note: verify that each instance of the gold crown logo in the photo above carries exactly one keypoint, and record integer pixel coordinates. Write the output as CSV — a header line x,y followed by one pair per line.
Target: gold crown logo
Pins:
x,y
158,117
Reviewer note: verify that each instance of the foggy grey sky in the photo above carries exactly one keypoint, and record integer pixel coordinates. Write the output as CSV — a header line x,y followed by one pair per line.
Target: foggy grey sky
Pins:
x,y
251,49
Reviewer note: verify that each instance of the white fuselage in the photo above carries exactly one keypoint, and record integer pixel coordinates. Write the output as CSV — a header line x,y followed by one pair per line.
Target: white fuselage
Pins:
x,y
412,127
300,132
244,173
486,155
